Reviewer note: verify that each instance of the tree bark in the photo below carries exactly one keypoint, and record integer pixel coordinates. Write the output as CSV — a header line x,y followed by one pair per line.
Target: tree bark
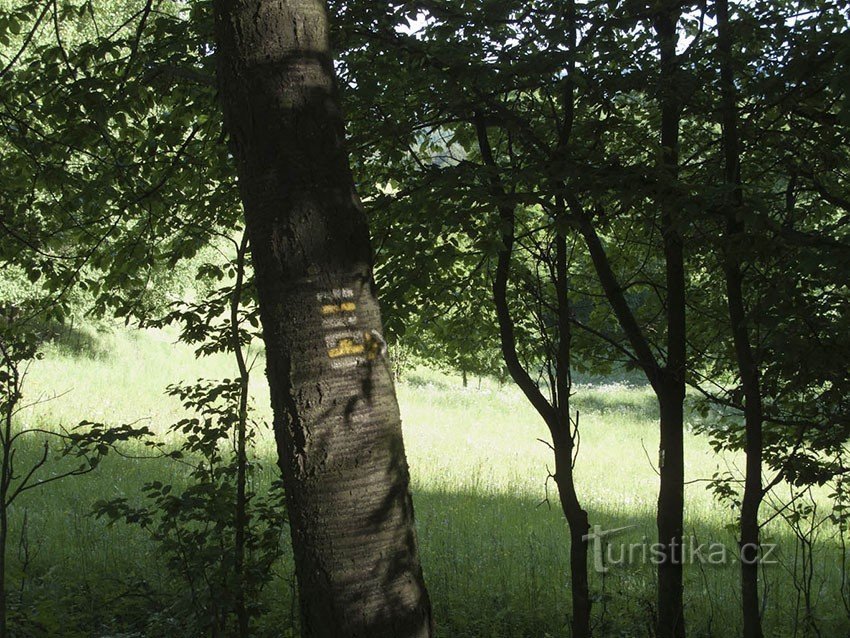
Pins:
x,y
10,395
668,380
556,415
564,444
240,518
336,418
748,369
671,496
4,522
668,385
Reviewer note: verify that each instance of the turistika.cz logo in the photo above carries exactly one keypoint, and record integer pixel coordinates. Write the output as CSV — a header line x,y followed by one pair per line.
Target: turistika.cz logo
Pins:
x,y
607,553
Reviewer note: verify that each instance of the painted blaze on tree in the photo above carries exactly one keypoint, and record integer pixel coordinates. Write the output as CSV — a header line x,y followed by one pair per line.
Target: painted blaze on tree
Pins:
x,y
337,422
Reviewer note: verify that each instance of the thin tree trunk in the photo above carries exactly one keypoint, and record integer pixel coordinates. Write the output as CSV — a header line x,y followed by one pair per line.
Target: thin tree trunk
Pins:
x,y
753,491
670,392
563,442
671,497
556,415
668,381
241,514
6,470
336,421
670,621
747,366
4,533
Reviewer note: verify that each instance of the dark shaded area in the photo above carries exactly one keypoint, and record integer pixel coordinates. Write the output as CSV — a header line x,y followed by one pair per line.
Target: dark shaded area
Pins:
x,y
69,339
643,406
496,566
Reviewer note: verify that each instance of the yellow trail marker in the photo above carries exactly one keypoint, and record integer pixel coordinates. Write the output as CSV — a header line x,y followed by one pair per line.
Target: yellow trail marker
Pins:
x,y
346,348
334,309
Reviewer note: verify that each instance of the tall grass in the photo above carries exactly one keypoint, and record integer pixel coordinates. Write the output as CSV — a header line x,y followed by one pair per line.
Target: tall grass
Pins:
x,y
493,540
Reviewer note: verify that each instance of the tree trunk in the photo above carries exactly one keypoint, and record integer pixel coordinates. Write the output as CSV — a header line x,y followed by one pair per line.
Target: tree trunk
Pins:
x,y
6,469
563,442
668,384
556,414
748,369
753,492
671,497
670,515
4,532
336,419
577,521
240,519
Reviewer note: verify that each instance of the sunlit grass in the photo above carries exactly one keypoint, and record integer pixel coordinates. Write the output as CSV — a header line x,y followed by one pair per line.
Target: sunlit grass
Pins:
x,y
494,549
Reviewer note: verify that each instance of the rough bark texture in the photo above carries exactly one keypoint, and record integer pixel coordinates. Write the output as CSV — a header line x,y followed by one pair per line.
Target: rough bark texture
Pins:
x,y
337,422
748,369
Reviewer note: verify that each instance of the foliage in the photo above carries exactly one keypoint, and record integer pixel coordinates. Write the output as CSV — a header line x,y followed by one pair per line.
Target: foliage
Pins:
x,y
115,171
78,451
220,536
194,527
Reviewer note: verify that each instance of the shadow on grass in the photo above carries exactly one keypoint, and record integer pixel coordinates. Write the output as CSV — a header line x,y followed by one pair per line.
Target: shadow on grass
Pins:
x,y
630,401
495,564
73,340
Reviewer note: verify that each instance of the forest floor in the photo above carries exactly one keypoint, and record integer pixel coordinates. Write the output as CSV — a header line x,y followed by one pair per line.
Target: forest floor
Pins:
x,y
494,549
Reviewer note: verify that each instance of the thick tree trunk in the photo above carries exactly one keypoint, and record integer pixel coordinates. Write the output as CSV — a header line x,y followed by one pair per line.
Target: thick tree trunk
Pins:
x,y
747,367
336,418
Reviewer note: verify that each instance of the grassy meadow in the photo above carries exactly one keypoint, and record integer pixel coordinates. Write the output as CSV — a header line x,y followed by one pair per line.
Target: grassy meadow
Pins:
x,y
494,552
